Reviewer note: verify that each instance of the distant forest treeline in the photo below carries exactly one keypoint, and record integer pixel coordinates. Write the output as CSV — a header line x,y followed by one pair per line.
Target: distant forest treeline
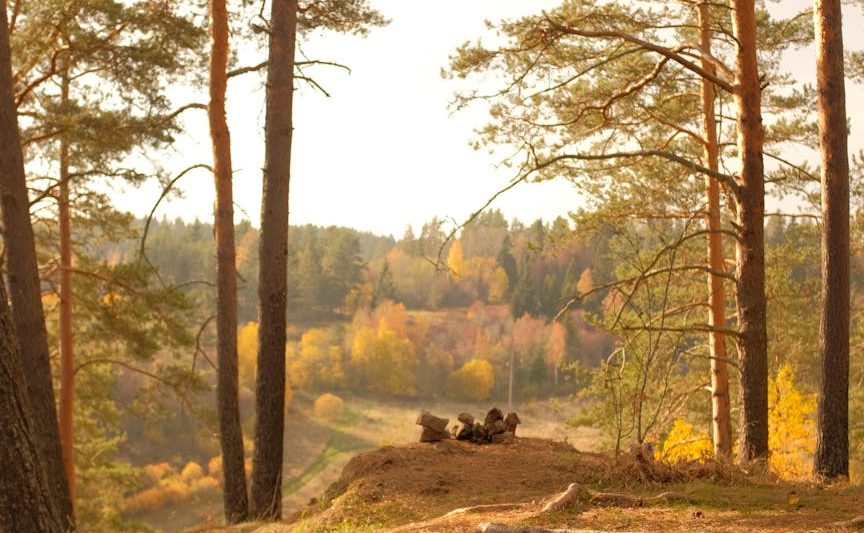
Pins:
x,y
333,271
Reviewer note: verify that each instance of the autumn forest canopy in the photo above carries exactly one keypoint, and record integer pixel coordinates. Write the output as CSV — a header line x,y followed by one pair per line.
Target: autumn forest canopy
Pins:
x,y
699,307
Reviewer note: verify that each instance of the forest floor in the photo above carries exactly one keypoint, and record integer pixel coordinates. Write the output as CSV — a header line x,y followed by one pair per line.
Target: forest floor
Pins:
x,y
412,488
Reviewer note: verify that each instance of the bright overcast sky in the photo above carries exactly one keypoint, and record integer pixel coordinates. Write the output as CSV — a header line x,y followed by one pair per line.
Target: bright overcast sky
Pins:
x,y
383,151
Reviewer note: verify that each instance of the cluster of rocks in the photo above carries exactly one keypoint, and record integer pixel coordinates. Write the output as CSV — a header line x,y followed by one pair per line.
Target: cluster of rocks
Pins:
x,y
496,428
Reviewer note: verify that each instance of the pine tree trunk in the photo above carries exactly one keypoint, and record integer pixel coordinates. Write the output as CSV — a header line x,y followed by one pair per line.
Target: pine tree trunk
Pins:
x,y
67,363
721,424
26,505
750,247
230,432
832,437
25,291
266,498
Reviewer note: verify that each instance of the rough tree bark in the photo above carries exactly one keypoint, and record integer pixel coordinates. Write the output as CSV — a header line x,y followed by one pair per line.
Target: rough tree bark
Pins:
x,y
25,500
832,436
266,497
230,432
750,246
25,291
721,424
67,362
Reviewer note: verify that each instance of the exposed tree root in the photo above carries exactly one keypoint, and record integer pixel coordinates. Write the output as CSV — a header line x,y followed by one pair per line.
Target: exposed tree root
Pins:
x,y
855,523
487,508
612,499
502,528
577,494
574,492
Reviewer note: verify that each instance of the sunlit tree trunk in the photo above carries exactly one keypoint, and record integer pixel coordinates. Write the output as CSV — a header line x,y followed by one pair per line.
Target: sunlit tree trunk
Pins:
x,y
25,291
266,497
67,362
721,425
230,432
750,246
832,437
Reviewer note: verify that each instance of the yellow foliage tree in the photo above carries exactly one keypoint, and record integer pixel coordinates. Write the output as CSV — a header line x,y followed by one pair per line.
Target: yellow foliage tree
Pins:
x,y
317,364
382,354
556,347
791,429
586,282
498,285
684,443
456,260
247,354
473,381
247,360
393,317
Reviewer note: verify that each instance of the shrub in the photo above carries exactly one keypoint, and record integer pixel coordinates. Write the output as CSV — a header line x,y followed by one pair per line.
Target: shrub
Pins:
x,y
328,407
145,501
791,429
155,472
684,443
191,472
206,485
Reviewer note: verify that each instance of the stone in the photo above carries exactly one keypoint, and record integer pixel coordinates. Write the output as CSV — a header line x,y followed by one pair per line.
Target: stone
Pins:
x,y
479,434
433,422
496,427
493,415
511,421
503,438
432,435
462,431
466,418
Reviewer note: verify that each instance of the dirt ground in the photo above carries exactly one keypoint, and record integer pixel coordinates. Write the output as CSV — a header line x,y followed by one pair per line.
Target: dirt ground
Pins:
x,y
412,488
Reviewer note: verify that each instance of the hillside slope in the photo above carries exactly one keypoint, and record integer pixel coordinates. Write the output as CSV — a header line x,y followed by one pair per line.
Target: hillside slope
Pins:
x,y
414,487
